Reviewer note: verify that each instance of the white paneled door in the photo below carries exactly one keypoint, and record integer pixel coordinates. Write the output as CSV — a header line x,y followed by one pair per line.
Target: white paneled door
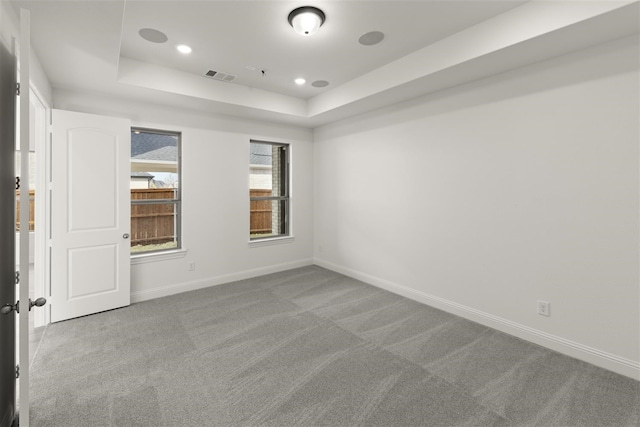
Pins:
x,y
90,214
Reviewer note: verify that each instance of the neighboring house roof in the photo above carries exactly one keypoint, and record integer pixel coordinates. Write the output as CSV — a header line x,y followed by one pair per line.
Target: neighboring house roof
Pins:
x,y
141,175
153,146
260,154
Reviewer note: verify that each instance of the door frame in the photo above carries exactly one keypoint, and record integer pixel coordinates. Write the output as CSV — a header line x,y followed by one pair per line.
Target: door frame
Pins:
x,y
25,300
8,391
42,256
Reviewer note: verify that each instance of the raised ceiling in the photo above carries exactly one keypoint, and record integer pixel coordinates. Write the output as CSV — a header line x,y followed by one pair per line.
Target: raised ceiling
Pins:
x,y
229,36
91,45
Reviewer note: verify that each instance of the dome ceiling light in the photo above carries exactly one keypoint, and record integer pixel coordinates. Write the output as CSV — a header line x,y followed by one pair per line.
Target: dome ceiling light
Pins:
x,y
306,20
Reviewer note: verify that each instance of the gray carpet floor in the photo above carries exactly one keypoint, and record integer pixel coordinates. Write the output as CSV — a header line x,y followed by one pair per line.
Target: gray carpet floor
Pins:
x,y
310,347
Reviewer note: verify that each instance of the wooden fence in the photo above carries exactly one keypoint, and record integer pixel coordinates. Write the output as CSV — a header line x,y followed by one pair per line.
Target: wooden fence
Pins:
x,y
260,212
31,210
155,223
152,224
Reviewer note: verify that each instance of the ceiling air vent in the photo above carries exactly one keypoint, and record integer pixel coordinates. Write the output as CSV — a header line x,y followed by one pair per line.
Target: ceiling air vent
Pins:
x,y
217,75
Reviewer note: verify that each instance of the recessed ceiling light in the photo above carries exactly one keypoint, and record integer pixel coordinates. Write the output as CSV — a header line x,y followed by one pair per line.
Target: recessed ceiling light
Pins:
x,y
371,38
183,48
300,81
152,35
320,83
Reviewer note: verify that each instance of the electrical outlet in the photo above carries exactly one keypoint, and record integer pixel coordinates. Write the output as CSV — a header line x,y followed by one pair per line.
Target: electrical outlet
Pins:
x,y
544,308
192,265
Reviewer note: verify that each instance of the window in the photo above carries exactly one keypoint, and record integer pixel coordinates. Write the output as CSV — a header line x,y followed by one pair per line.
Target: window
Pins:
x,y
268,190
155,190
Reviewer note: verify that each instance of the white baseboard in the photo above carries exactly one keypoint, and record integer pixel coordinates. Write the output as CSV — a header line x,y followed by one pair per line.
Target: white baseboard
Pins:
x,y
570,348
193,285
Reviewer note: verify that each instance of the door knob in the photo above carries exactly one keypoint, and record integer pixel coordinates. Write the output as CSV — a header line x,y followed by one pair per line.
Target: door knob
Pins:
x,y
37,303
125,236
8,308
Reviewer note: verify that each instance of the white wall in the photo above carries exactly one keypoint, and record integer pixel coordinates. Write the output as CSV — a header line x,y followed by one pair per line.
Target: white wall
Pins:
x,y
215,185
484,198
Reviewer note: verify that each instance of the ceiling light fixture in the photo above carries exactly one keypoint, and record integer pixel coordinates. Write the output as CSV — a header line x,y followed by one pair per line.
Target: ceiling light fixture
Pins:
x,y
306,20
300,81
183,48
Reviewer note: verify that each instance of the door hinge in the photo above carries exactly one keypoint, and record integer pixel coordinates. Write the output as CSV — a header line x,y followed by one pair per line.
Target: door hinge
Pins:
x,y
18,89
17,371
17,182
17,277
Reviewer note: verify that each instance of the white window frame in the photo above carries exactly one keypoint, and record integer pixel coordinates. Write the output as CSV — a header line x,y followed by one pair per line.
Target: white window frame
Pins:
x,y
287,236
174,252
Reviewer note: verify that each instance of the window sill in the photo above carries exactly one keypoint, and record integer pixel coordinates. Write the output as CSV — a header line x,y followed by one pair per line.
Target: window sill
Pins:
x,y
271,241
158,256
